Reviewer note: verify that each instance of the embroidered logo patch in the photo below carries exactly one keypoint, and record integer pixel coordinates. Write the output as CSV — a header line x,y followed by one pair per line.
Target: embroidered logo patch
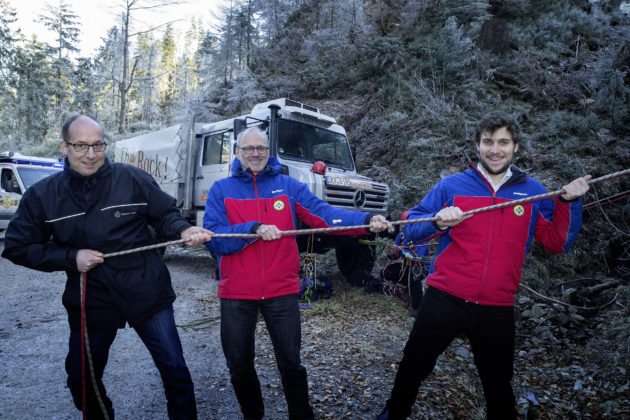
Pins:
x,y
519,210
278,205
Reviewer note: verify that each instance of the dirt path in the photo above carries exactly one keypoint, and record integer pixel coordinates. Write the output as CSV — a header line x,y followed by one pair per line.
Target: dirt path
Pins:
x,y
33,346
351,346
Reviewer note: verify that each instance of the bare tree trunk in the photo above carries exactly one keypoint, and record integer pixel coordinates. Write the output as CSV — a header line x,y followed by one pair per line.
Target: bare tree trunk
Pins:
x,y
123,86
249,34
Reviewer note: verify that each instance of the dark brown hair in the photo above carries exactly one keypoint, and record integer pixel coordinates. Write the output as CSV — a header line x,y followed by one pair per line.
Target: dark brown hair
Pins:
x,y
494,120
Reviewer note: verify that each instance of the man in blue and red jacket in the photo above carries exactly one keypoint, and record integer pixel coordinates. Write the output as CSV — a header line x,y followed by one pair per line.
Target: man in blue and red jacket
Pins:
x,y
261,274
477,268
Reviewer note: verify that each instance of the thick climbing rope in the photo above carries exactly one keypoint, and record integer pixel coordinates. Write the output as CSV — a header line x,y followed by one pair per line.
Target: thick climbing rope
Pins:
x,y
399,222
83,338
87,353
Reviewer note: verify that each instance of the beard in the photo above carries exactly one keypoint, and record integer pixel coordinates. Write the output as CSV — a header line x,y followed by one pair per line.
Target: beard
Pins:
x,y
491,171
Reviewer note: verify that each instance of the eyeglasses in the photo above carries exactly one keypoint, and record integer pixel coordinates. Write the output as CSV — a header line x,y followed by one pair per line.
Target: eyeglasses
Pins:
x,y
83,148
248,150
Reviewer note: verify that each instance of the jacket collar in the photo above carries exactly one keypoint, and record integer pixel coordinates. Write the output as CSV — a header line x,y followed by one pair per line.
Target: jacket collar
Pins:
x,y
517,176
74,176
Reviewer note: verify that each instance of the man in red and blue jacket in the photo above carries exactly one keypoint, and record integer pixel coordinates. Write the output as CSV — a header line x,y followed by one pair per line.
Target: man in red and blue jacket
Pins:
x,y
261,274
477,268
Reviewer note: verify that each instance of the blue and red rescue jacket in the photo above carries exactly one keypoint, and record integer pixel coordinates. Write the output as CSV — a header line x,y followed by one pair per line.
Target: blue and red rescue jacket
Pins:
x,y
480,260
251,268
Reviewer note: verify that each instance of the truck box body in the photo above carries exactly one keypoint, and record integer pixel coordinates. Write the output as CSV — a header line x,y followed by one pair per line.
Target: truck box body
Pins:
x,y
161,153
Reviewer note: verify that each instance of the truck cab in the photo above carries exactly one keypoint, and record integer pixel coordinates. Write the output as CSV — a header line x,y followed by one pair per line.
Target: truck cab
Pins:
x,y
311,148
17,173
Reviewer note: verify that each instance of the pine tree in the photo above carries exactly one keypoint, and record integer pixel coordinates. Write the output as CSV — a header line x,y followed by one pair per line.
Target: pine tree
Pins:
x,y
64,24
107,70
145,92
168,74
34,78
7,76
84,87
7,40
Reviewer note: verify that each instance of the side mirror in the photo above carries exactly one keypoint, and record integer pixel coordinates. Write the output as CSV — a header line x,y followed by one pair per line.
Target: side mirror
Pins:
x,y
239,125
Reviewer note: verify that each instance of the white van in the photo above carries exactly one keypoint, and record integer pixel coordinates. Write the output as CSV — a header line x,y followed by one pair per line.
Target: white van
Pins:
x,y
17,173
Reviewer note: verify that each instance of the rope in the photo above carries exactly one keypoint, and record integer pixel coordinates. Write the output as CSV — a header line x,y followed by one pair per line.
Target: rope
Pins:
x,y
522,200
399,222
86,352
83,338
607,200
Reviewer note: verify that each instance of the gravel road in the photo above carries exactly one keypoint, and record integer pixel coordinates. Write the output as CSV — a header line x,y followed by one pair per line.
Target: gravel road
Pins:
x,y
33,346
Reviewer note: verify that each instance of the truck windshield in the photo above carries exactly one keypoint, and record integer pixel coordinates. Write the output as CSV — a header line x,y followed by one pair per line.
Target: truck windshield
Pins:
x,y
32,174
299,141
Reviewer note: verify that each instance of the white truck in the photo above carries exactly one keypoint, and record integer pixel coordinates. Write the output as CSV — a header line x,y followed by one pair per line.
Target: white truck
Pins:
x,y
187,158
17,173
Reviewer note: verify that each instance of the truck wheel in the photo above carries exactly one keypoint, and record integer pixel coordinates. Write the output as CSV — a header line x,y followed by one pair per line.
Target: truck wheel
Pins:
x,y
354,257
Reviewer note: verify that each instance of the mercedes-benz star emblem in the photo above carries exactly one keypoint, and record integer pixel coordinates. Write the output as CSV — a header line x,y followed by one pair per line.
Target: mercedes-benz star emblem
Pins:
x,y
359,198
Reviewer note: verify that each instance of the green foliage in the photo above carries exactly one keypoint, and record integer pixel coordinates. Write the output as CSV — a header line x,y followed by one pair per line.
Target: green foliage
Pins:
x,y
613,97
558,27
48,148
453,51
465,12
382,56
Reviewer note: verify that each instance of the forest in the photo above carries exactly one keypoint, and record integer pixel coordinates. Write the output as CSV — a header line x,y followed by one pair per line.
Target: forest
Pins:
x,y
408,79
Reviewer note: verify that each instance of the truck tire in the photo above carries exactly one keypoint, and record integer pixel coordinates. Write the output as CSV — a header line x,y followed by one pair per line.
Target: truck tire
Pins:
x,y
353,257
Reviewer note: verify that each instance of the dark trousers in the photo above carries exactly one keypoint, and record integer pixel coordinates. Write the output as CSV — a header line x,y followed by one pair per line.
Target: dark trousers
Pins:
x,y
442,317
238,327
159,335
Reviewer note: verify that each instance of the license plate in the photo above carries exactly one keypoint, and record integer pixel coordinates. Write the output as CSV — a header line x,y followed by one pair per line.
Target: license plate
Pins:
x,y
339,181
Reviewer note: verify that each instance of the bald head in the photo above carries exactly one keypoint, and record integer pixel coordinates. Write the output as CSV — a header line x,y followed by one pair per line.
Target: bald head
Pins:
x,y
77,133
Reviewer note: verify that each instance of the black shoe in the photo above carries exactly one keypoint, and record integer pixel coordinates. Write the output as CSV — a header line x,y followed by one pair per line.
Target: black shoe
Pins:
x,y
384,415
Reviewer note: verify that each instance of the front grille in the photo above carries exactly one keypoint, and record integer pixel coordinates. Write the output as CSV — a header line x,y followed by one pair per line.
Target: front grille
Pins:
x,y
374,198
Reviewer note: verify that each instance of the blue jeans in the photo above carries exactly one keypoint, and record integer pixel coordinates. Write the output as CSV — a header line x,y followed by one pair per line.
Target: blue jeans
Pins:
x,y
159,335
238,327
441,318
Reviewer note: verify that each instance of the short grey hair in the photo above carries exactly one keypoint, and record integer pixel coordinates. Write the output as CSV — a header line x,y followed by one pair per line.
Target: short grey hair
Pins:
x,y
242,134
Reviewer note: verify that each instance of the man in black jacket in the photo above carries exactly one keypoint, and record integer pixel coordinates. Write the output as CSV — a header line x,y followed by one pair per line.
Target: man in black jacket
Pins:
x,y
68,221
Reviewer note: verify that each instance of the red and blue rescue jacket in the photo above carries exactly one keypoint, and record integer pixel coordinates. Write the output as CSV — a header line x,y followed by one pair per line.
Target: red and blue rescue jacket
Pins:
x,y
480,259
251,268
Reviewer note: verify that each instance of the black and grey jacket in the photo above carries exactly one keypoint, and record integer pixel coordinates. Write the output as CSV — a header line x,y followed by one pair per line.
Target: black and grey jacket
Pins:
x,y
108,211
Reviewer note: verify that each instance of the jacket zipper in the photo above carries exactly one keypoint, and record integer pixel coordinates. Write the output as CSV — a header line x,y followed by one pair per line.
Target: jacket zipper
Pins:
x,y
490,237
262,255
489,246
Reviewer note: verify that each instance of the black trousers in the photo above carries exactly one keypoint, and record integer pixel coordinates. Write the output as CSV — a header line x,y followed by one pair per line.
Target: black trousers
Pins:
x,y
238,328
441,318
